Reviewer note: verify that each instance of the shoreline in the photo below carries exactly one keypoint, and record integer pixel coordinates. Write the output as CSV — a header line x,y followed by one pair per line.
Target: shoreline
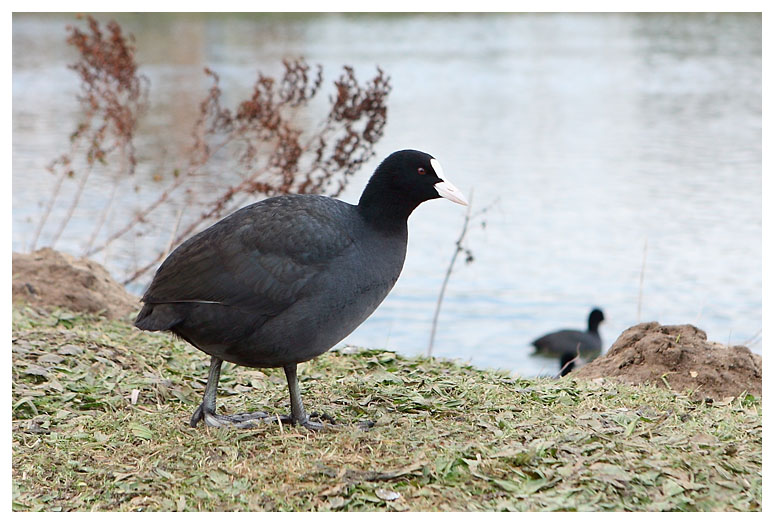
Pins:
x,y
100,417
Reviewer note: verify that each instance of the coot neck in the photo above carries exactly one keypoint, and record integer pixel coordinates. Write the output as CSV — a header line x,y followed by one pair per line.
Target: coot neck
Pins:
x,y
592,329
385,210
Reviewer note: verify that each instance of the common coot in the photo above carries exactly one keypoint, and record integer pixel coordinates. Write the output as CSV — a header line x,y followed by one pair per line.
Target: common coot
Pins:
x,y
281,281
586,344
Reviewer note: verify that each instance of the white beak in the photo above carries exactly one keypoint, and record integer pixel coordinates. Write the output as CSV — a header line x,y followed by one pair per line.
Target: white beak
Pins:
x,y
445,188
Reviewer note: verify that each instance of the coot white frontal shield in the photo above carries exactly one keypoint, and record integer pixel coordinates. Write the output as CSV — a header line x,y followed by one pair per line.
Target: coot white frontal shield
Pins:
x,y
445,188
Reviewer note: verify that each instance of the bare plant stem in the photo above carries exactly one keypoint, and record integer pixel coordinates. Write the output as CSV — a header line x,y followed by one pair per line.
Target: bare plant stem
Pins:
x,y
138,272
165,195
139,217
458,249
171,242
106,209
176,238
73,205
573,362
754,339
103,216
47,211
642,273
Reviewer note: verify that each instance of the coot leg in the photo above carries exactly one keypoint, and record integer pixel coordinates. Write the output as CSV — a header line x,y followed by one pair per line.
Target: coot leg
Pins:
x,y
298,414
206,411
208,401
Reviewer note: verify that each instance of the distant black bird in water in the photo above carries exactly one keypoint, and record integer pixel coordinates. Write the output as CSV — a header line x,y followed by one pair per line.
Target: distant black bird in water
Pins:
x,y
586,344
283,280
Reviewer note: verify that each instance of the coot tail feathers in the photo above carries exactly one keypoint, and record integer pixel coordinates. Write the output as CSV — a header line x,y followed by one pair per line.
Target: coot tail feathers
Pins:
x,y
157,317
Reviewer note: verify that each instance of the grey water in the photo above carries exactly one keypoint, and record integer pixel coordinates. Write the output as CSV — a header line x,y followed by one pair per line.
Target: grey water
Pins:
x,y
592,141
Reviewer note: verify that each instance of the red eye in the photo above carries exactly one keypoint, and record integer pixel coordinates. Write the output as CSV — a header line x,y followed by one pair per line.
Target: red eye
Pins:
x,y
421,171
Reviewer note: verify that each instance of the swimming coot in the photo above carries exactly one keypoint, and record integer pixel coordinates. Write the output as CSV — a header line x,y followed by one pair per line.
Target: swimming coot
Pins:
x,y
281,281
587,344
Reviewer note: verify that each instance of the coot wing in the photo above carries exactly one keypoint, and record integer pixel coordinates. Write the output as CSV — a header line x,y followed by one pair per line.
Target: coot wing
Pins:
x,y
259,258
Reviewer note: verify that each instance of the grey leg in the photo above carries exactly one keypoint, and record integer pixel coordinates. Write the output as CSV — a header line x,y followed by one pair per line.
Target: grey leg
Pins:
x,y
298,414
208,401
206,411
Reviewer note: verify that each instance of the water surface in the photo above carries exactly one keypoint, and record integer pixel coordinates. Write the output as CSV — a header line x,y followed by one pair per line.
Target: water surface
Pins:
x,y
589,136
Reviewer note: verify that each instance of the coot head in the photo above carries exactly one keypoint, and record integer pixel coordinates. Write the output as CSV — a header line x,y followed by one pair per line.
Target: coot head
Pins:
x,y
403,181
595,318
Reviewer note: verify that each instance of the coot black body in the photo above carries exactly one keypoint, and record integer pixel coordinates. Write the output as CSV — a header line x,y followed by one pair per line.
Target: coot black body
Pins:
x,y
281,281
586,344
282,294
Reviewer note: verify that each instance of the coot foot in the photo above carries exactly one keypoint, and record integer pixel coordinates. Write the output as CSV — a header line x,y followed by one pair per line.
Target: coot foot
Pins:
x,y
289,420
206,411
311,425
323,417
243,420
365,425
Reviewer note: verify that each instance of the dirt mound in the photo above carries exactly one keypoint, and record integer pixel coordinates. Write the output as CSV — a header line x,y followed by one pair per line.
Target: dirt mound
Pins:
x,y
682,354
48,279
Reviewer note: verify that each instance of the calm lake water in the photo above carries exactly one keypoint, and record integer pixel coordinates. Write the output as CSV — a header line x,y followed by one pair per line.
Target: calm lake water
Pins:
x,y
587,135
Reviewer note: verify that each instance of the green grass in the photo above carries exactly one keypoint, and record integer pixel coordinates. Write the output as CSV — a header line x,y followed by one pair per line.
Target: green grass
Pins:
x,y
447,436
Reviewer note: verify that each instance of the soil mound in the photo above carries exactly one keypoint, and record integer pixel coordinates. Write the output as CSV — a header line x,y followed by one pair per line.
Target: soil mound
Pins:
x,y
682,354
47,279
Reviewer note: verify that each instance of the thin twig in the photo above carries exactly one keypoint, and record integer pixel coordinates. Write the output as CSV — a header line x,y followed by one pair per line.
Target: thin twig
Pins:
x,y
73,205
104,215
170,244
138,217
754,339
458,249
571,363
699,313
138,272
642,272
47,211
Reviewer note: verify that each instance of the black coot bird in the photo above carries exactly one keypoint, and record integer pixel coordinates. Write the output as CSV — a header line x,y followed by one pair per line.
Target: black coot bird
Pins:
x,y
283,280
586,344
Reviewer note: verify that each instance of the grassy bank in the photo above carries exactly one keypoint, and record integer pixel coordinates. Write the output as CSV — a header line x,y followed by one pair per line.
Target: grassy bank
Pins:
x,y
447,436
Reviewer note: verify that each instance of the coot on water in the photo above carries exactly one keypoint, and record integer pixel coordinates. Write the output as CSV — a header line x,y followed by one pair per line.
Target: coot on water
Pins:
x,y
588,344
281,281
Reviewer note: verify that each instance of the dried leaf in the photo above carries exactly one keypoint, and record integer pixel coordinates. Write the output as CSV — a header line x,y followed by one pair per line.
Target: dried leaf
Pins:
x,y
140,431
50,359
36,370
387,495
70,350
